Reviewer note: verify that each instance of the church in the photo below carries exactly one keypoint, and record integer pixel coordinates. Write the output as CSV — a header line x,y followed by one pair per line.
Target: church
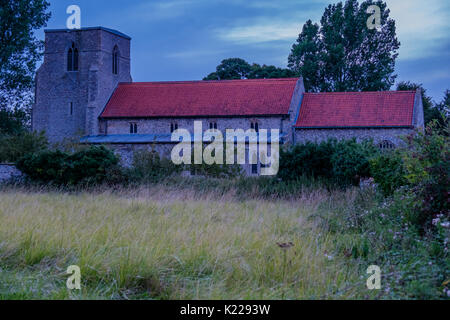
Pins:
x,y
84,89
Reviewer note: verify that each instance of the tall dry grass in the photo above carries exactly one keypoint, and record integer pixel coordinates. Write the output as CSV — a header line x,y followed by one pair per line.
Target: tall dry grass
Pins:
x,y
158,243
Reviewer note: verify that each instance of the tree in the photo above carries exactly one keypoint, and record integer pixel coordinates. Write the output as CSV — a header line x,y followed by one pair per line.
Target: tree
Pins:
x,y
444,106
269,72
343,54
231,69
13,121
430,111
236,69
19,48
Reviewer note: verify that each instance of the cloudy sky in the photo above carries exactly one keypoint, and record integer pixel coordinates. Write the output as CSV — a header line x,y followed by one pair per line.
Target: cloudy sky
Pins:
x,y
187,39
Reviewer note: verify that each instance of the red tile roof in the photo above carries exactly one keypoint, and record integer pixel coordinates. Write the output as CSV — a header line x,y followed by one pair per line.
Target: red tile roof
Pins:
x,y
201,98
357,109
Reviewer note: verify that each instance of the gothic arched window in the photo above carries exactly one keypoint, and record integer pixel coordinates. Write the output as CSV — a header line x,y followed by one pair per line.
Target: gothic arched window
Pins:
x,y
115,60
386,145
72,58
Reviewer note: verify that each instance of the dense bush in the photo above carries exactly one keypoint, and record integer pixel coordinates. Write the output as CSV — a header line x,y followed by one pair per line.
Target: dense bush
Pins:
x,y
46,166
350,161
224,170
90,165
87,166
309,159
427,163
388,171
15,146
149,166
423,167
343,162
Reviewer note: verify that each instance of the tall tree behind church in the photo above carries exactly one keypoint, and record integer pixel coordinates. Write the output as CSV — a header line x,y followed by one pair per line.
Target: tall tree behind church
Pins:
x,y
343,54
20,50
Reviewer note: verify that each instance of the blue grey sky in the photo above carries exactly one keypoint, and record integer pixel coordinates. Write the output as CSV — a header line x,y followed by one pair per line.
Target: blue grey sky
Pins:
x,y
187,39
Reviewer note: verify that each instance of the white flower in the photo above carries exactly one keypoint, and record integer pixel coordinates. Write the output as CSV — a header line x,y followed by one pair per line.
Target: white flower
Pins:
x,y
445,224
329,257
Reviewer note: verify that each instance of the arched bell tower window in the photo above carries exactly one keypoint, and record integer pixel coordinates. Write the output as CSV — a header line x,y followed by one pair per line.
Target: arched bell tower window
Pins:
x,y
115,60
72,58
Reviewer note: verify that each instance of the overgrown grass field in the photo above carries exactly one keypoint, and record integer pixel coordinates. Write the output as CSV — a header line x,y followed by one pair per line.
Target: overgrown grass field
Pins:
x,y
215,239
162,244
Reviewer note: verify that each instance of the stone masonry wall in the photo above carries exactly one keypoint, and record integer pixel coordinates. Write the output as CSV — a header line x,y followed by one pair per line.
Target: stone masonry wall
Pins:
x,y
162,126
8,171
127,151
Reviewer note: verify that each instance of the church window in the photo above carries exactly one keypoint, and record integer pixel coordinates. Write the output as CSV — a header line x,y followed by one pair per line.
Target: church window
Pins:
x,y
72,58
115,60
213,125
71,108
133,128
173,127
386,145
255,126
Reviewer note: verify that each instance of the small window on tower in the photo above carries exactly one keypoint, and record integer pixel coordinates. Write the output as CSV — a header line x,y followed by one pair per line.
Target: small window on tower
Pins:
x,y
133,128
71,108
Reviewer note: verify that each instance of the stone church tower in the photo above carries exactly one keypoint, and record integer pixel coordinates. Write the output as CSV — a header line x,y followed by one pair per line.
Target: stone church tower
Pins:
x,y
81,70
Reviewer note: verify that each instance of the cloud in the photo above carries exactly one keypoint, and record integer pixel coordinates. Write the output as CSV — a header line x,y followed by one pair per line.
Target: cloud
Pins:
x,y
284,26
159,10
261,33
421,26
190,54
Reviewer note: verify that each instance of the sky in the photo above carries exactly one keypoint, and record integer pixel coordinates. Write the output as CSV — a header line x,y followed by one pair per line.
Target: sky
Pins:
x,y
186,39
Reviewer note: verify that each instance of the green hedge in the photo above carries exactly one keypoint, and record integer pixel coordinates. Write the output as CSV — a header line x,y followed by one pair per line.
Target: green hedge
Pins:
x,y
342,162
86,166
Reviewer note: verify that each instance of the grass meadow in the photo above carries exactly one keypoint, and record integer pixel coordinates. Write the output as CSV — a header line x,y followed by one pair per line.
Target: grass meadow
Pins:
x,y
160,243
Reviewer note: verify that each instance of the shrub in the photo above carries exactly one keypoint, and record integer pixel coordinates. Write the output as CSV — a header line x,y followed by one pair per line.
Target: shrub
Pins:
x,y
215,170
309,159
90,165
46,166
388,171
350,161
15,146
343,162
148,166
87,166
427,166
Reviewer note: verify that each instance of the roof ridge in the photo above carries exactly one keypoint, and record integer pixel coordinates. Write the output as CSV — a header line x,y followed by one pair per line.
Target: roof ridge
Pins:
x,y
113,31
210,81
361,92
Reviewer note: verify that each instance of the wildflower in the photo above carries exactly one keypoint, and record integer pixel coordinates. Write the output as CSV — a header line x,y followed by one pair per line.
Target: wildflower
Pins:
x,y
445,225
285,245
328,256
